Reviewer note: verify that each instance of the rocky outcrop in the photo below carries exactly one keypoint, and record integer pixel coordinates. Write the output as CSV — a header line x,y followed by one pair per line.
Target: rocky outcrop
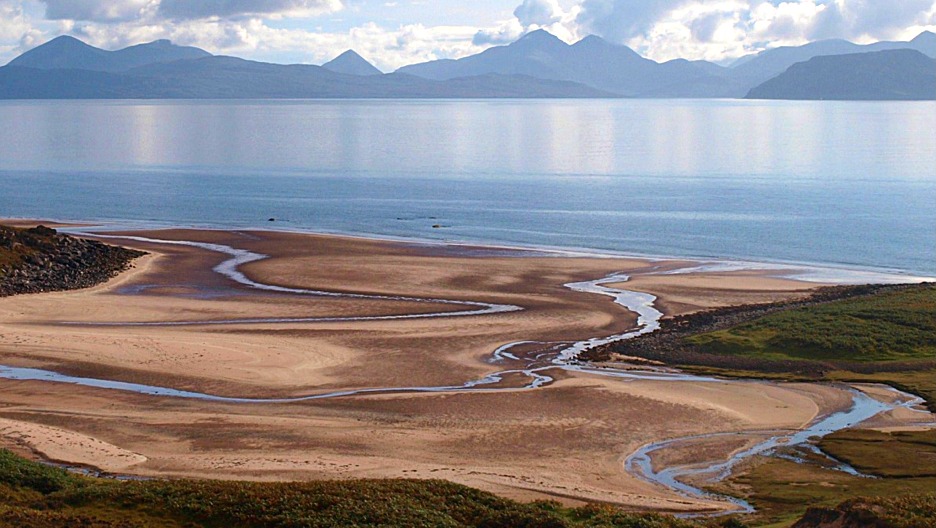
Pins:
x,y
40,259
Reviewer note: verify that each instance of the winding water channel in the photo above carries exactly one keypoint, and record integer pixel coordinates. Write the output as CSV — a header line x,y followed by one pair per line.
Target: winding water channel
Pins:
x,y
528,365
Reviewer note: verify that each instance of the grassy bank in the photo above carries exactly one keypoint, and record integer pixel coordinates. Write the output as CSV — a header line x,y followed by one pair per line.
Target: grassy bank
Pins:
x,y
867,334
902,464
884,338
35,495
888,337
879,334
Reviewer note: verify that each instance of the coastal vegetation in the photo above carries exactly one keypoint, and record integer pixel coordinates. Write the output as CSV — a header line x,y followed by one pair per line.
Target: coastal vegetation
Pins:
x,y
892,326
888,337
878,334
895,488
36,495
883,334
40,259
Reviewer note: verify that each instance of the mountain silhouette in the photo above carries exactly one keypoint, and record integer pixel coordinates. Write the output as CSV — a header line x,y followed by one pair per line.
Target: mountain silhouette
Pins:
x,y
537,65
592,61
350,63
902,74
70,53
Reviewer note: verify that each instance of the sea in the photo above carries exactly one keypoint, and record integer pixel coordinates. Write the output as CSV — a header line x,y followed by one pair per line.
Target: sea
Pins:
x,y
848,185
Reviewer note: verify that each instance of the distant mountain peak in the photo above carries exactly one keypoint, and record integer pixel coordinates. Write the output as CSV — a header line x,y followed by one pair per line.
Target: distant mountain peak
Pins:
x,y
539,36
61,52
65,42
67,52
593,39
351,63
596,44
65,39
159,44
926,36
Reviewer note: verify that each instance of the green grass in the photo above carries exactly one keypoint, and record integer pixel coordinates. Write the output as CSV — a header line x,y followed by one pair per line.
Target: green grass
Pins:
x,y
886,338
34,495
898,326
783,491
900,454
905,511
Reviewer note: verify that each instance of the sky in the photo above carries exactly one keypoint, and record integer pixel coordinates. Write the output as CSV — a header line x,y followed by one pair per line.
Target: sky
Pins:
x,y
393,33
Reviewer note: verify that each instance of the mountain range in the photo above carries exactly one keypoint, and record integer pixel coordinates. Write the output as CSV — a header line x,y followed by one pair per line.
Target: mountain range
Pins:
x,y
538,65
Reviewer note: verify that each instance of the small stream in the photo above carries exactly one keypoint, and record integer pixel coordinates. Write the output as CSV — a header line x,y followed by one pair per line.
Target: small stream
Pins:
x,y
530,363
640,463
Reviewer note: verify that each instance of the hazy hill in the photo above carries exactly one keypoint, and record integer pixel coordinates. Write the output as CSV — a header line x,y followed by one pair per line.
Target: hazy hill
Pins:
x,y
218,77
615,68
883,75
538,54
755,69
350,63
592,61
70,53
537,65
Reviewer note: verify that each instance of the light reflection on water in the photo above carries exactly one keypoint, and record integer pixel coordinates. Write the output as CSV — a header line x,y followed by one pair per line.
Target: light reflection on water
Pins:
x,y
842,183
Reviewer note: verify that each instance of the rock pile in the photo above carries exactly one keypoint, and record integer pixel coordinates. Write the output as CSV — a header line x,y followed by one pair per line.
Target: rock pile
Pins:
x,y
40,259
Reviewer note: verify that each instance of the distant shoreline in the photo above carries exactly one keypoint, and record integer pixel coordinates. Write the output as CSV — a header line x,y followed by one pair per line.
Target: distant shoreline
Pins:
x,y
817,272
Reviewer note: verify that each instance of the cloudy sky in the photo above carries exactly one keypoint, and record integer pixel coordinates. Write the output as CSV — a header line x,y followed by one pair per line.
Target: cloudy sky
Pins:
x,y
392,33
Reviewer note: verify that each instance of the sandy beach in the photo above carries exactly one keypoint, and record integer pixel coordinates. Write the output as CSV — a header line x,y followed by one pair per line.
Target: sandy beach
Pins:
x,y
564,441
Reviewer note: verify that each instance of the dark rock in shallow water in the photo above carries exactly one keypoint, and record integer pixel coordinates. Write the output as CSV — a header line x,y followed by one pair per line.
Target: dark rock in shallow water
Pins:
x,y
40,259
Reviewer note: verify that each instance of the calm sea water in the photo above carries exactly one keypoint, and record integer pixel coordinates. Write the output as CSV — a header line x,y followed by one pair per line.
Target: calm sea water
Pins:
x,y
849,184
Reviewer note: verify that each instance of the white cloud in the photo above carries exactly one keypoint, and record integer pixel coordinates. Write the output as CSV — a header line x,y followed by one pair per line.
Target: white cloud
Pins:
x,y
13,21
127,10
388,49
17,32
721,29
538,12
621,20
531,15
871,19
98,10
660,29
194,9
505,33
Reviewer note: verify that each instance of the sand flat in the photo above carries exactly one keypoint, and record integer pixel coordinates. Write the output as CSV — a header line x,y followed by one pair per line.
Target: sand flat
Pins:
x,y
692,292
567,440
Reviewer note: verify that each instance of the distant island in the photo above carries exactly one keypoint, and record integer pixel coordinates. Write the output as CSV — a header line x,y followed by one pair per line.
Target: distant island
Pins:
x,y
894,74
538,65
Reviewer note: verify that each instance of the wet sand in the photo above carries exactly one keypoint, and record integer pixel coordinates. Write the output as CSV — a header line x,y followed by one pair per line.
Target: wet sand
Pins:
x,y
566,441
